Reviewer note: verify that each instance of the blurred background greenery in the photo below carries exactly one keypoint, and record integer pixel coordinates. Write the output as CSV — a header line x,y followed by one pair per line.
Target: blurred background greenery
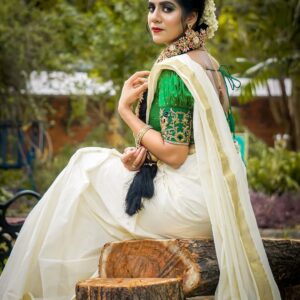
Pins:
x,y
108,40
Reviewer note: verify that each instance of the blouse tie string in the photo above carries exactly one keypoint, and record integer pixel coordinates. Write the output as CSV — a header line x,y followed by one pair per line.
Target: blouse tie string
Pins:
x,y
234,84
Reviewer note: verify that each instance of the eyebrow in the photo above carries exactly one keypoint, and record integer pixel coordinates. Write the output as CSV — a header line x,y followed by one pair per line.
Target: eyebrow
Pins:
x,y
163,2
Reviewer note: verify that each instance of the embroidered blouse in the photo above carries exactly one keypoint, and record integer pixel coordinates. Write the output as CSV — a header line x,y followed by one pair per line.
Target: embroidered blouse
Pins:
x,y
172,109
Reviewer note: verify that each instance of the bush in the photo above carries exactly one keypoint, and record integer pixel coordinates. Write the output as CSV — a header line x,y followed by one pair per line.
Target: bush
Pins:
x,y
274,211
273,170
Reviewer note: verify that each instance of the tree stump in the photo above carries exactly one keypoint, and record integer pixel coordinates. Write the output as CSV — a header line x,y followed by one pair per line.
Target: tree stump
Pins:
x,y
130,289
193,260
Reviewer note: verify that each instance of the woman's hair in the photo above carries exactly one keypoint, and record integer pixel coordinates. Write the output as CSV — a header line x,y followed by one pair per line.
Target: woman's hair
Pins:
x,y
188,6
142,185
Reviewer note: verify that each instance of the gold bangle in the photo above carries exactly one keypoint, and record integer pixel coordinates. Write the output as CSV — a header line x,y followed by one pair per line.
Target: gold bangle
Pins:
x,y
140,135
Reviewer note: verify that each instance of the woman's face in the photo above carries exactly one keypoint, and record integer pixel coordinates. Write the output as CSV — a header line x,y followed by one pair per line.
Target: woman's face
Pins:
x,y
164,15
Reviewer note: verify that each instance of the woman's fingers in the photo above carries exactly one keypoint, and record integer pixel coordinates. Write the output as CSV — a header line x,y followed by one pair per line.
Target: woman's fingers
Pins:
x,y
142,87
133,88
126,157
130,155
133,158
140,157
129,149
139,82
138,74
143,158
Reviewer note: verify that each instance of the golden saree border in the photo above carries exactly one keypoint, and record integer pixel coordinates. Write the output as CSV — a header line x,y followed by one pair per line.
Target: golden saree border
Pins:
x,y
254,260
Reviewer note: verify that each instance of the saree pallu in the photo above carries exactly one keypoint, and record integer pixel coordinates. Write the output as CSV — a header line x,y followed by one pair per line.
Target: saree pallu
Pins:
x,y
244,268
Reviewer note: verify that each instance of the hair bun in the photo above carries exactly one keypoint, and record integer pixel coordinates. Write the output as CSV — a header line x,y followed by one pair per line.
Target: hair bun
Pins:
x,y
209,18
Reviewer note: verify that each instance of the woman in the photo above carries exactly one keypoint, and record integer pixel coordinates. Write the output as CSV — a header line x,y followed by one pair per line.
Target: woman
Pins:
x,y
188,166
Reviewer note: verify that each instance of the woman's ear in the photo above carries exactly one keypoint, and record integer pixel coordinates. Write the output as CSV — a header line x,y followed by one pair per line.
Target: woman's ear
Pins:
x,y
192,18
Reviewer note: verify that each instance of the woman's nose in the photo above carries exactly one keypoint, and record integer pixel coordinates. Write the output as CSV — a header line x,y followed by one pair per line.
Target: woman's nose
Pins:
x,y
155,16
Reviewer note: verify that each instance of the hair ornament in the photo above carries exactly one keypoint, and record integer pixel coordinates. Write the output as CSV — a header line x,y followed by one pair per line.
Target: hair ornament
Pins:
x,y
209,18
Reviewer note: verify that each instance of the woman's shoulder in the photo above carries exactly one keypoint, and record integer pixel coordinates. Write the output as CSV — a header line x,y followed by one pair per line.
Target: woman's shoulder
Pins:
x,y
172,90
169,78
205,59
167,73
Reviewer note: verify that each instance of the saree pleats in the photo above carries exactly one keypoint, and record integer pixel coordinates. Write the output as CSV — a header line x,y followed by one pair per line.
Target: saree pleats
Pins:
x,y
83,209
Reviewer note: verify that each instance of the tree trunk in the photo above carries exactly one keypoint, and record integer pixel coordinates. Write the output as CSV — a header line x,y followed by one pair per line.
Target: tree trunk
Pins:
x,y
295,109
193,260
130,288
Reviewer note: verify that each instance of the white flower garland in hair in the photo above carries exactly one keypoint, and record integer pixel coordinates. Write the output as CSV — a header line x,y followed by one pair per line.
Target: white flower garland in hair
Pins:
x,y
209,18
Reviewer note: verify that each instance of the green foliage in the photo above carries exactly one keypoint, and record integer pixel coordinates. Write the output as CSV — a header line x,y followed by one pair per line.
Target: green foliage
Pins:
x,y
5,195
273,170
78,109
13,180
107,39
262,41
265,34
257,32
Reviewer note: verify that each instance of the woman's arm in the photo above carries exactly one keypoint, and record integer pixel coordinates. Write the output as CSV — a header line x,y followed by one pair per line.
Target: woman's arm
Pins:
x,y
171,154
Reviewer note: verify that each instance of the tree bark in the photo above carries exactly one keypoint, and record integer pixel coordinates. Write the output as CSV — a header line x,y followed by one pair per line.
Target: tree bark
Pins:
x,y
130,288
292,293
193,260
295,109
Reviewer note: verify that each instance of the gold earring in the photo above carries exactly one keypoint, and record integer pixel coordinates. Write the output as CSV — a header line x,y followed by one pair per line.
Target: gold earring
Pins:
x,y
194,39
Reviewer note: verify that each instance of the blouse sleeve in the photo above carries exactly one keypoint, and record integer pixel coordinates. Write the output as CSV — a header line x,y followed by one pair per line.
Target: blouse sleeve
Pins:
x,y
175,109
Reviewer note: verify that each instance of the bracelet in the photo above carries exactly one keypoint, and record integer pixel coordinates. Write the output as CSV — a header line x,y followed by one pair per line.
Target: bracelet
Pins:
x,y
140,135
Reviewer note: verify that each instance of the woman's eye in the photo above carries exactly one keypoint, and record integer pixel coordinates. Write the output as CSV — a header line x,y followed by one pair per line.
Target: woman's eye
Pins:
x,y
151,8
167,9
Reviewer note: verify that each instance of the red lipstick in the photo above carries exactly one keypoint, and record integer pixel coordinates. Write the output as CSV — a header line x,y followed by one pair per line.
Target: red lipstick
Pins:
x,y
156,29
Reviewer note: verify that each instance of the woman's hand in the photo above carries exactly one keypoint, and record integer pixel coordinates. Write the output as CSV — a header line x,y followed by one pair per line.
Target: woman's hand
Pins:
x,y
133,88
133,158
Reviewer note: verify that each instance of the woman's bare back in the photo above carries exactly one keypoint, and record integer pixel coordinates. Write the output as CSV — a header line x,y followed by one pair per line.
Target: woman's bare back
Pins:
x,y
209,63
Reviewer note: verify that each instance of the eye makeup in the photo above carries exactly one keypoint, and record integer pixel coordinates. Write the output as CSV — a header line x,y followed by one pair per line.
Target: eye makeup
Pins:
x,y
166,6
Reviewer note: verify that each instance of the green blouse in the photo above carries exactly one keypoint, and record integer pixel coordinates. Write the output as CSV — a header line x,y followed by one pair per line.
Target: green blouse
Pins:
x,y
172,109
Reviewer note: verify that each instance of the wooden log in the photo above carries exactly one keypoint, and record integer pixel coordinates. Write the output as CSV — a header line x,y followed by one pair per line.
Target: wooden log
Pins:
x,y
130,289
202,298
193,260
292,293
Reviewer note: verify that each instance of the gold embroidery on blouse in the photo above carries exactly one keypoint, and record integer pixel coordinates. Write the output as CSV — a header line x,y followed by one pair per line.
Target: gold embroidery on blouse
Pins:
x,y
176,126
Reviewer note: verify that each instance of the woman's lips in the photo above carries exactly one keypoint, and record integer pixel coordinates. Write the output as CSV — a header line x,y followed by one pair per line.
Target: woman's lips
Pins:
x,y
157,30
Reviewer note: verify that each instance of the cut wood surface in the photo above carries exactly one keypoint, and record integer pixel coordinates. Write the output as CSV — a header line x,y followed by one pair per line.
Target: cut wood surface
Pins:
x,y
130,288
193,260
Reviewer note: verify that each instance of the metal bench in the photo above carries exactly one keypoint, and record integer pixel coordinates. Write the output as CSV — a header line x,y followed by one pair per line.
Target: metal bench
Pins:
x,y
11,226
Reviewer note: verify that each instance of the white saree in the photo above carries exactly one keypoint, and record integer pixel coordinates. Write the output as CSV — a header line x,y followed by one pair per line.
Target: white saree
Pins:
x,y
84,208
244,269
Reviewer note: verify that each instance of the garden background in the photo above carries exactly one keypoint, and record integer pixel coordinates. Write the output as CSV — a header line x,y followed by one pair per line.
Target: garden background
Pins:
x,y
63,64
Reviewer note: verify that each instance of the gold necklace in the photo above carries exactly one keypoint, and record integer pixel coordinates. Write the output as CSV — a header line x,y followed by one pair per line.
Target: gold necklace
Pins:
x,y
191,40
